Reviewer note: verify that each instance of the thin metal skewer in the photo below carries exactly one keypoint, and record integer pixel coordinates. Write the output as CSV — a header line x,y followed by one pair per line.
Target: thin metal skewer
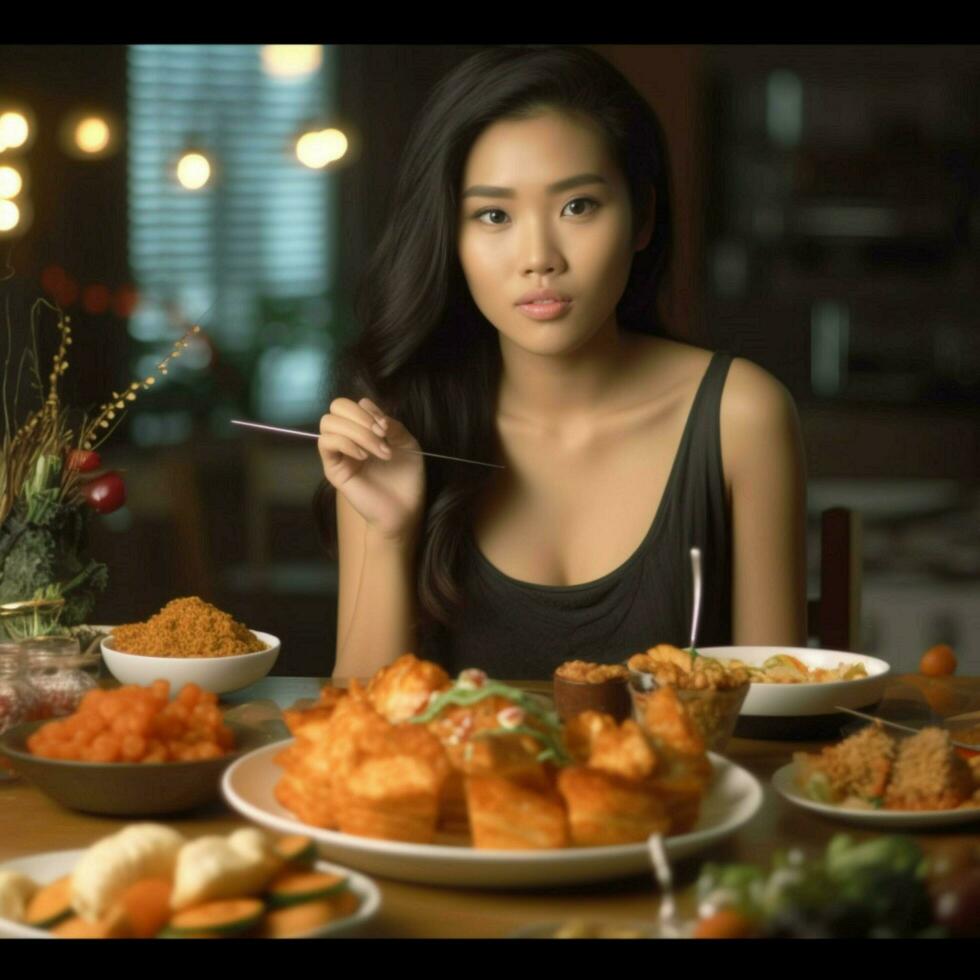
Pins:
x,y
401,449
895,724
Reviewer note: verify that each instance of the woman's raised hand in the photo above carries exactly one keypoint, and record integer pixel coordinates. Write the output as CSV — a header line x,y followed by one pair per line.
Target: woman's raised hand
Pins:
x,y
359,446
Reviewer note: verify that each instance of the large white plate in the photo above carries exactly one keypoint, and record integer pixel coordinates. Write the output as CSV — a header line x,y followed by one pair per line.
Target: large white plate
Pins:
x,y
732,800
784,782
49,867
817,698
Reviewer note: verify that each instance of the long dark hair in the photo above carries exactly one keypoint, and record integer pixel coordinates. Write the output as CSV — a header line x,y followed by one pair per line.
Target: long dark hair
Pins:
x,y
425,353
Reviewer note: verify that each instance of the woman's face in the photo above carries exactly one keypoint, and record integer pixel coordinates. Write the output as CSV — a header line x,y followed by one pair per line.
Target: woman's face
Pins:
x,y
544,207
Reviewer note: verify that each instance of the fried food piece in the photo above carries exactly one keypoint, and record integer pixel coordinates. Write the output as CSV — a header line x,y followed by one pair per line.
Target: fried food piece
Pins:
x,y
310,802
606,808
403,688
392,787
928,774
324,750
509,816
513,757
681,792
623,751
456,727
670,724
860,766
582,731
297,718
457,724
678,743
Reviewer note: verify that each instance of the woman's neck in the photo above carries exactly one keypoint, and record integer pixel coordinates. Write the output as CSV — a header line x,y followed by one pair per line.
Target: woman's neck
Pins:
x,y
561,392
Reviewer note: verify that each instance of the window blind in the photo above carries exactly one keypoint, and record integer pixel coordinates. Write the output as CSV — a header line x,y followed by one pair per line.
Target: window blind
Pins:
x,y
259,230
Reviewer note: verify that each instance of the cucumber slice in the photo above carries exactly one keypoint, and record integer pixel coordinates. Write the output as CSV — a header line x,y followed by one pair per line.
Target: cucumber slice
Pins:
x,y
297,849
50,905
229,917
296,887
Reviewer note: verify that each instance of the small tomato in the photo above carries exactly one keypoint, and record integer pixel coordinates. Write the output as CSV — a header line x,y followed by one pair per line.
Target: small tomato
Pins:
x,y
84,460
105,493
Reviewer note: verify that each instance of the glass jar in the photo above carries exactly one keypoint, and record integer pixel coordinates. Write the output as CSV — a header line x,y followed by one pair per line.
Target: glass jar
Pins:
x,y
57,670
19,701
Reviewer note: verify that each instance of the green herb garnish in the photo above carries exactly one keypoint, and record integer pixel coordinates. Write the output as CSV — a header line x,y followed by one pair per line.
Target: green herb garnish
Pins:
x,y
466,696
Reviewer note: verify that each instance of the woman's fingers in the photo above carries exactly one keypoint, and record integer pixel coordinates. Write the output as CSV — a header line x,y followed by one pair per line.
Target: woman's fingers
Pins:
x,y
355,432
332,445
355,411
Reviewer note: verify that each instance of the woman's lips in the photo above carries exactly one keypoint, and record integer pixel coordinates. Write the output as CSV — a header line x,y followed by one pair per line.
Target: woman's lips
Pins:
x,y
545,311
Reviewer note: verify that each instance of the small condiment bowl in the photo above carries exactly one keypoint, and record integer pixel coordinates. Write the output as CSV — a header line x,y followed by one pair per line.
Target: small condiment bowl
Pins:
x,y
610,696
127,789
714,712
221,675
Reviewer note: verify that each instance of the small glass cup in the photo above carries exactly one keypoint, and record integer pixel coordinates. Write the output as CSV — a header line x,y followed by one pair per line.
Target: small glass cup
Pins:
x,y
713,710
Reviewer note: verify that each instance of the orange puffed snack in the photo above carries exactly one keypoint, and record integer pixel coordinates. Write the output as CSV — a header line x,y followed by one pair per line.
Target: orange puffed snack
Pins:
x,y
137,724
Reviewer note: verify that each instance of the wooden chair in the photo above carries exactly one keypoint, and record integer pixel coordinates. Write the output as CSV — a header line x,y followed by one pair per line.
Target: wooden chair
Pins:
x,y
834,618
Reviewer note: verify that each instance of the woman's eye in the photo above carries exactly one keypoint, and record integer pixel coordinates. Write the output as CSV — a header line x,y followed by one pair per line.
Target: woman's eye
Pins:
x,y
488,213
581,206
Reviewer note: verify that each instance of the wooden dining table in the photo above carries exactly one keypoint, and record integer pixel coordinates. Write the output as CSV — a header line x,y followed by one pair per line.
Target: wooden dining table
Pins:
x,y
31,823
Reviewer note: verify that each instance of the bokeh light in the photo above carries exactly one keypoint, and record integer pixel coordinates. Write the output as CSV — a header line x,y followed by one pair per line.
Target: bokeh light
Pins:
x,y
14,130
95,298
124,302
11,182
319,148
291,60
9,216
92,134
193,171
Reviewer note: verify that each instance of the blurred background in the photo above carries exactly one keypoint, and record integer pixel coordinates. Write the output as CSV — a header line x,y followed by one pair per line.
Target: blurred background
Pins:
x,y
827,204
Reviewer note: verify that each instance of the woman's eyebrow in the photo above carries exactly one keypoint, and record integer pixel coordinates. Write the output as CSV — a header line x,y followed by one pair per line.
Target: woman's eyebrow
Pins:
x,y
484,190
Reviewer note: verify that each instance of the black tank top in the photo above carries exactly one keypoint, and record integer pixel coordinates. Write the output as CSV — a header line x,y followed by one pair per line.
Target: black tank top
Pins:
x,y
520,630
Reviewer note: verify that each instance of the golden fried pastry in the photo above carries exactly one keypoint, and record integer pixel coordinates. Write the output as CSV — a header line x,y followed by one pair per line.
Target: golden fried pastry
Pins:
x,y
506,815
670,724
606,808
313,803
403,688
623,751
582,730
392,787
456,725
681,792
320,710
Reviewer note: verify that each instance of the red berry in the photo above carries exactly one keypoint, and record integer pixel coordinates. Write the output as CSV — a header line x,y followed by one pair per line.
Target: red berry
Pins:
x,y
105,493
84,460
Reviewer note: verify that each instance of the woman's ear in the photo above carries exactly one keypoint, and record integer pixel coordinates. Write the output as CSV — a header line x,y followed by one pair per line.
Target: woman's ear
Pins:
x,y
645,233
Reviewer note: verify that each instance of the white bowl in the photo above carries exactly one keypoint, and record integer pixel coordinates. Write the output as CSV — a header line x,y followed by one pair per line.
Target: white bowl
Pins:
x,y
217,674
803,710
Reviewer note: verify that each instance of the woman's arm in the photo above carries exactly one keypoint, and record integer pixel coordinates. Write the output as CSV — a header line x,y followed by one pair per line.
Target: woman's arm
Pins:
x,y
374,463
376,602
762,454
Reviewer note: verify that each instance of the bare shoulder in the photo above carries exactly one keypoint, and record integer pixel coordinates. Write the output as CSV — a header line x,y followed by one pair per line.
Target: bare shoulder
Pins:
x,y
758,418
753,397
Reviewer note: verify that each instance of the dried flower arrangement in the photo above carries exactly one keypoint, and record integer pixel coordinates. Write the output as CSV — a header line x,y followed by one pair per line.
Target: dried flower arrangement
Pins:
x,y
50,477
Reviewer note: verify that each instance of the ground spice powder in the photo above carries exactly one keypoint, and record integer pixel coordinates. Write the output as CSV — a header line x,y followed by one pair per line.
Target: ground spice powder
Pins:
x,y
187,627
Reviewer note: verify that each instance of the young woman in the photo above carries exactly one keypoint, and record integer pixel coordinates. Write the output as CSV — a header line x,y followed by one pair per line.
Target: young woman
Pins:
x,y
509,317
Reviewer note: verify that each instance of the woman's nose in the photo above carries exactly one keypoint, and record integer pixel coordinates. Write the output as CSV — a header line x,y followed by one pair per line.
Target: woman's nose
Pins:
x,y
541,253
